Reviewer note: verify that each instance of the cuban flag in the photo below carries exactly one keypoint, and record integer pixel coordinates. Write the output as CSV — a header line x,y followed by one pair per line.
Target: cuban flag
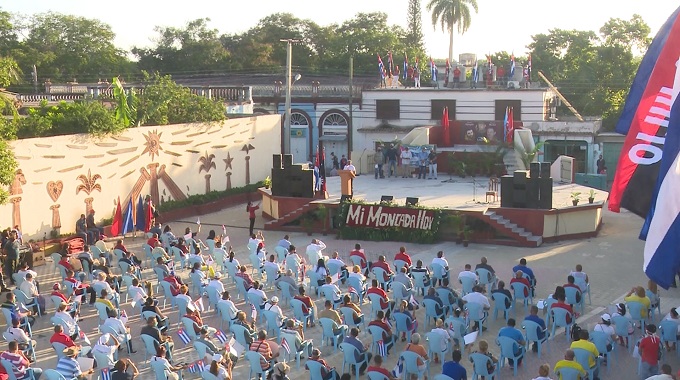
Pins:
x,y
106,375
475,73
398,369
512,65
381,69
183,336
405,73
285,345
382,350
221,337
433,70
84,338
253,312
192,368
505,124
646,119
200,365
390,64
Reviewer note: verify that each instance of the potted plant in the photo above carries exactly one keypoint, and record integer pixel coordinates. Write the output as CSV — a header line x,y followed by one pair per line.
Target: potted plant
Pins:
x,y
322,214
467,232
267,182
591,196
307,224
575,197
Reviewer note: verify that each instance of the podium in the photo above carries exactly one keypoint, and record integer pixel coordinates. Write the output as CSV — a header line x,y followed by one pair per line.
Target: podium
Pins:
x,y
346,177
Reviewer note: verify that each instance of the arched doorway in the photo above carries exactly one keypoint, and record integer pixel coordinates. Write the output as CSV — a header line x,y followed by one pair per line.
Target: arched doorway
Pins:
x,y
300,135
333,131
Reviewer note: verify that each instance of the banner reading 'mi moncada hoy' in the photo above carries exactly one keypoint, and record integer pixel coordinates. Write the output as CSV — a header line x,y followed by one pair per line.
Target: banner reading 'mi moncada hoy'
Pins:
x,y
376,216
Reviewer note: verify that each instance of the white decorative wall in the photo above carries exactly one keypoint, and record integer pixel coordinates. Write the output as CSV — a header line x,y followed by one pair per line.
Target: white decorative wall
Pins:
x,y
61,177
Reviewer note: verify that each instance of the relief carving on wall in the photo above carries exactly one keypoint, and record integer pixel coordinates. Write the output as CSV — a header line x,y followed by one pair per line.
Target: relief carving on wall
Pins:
x,y
88,185
54,189
207,164
15,189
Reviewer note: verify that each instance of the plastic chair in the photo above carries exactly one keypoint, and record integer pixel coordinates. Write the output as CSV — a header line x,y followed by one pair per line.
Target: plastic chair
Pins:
x,y
583,357
486,278
58,349
223,311
206,375
255,358
441,376
375,303
298,312
272,273
287,292
402,322
398,264
240,334
468,283
201,349
567,373
411,364
377,333
149,345
167,293
435,345
181,304
281,253
213,296
419,281
448,298
315,370
101,311
240,288
374,375
147,253
585,289
559,317
349,353
21,297
348,316
273,323
476,313
256,300
531,329
459,329
439,273
509,350
256,265
161,371
518,290
188,325
333,269
655,303
623,327
380,275
328,334
636,310
400,292
356,260
572,294
150,314
431,310
30,351
52,374
177,257
231,270
293,264
500,305
360,287
103,360
290,338
600,340
18,279
313,281
107,329
668,330
196,283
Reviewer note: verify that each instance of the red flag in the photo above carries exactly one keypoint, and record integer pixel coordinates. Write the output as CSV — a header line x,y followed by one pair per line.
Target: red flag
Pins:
x,y
149,216
446,136
316,160
322,168
511,126
117,221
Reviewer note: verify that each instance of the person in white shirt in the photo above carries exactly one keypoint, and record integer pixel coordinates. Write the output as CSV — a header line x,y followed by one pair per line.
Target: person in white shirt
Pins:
x,y
666,373
543,372
273,306
468,273
31,290
24,270
106,345
441,260
440,330
136,292
580,276
336,261
253,242
257,290
217,283
273,265
285,242
334,289
406,156
356,272
122,333
183,290
233,259
19,335
71,327
477,297
605,326
314,251
231,308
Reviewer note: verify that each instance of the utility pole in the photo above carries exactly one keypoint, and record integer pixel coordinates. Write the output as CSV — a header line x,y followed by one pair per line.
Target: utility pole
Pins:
x,y
289,83
350,125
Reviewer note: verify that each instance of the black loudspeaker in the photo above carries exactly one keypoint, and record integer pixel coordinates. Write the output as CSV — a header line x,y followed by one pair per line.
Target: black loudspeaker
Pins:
x,y
277,162
545,189
386,198
519,177
519,198
345,198
545,169
287,160
507,188
411,201
534,169
532,193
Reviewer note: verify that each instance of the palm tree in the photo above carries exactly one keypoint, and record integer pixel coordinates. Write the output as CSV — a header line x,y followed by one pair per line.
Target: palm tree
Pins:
x,y
207,163
449,13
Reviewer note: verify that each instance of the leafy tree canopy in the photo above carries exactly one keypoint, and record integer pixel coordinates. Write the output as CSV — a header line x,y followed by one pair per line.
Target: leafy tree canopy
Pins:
x,y
68,118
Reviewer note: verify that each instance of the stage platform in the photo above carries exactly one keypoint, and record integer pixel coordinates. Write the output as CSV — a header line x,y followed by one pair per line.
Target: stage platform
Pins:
x,y
508,226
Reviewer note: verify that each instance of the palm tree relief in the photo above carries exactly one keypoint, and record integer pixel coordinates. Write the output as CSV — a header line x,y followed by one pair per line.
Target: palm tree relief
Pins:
x,y
247,148
88,185
207,164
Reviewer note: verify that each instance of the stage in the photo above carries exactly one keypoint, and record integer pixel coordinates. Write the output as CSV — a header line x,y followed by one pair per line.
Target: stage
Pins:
x,y
512,226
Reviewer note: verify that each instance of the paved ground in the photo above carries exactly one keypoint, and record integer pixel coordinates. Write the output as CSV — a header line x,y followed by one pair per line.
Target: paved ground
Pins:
x,y
612,260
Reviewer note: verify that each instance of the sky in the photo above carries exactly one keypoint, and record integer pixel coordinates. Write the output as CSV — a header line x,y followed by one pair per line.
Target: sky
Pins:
x,y
497,26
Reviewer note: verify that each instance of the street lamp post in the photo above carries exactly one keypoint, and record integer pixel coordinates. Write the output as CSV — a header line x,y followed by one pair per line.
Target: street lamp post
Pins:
x,y
289,83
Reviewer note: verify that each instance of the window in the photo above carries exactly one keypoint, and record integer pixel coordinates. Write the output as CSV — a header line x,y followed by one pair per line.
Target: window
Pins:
x,y
501,105
387,109
437,108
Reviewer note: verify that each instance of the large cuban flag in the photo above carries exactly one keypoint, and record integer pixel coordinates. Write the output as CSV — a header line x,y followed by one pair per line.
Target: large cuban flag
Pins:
x,y
645,120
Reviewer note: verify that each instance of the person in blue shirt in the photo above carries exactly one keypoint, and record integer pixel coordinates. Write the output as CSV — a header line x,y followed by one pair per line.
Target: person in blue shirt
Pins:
x,y
513,333
423,163
453,369
525,269
362,353
533,317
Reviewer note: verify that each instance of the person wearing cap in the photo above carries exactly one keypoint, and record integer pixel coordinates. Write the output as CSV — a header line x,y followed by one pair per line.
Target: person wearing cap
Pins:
x,y
649,348
328,372
120,370
21,365
69,367
605,326
106,345
294,328
280,371
220,367
217,283
273,306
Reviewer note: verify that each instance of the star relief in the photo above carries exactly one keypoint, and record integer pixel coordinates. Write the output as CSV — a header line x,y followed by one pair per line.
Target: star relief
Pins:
x,y
153,143
228,161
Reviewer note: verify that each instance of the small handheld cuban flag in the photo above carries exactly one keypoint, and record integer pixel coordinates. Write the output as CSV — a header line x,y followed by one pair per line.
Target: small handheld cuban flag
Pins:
x,y
183,336
285,345
253,312
84,337
106,375
192,368
221,337
382,350
123,317
200,366
398,369
198,304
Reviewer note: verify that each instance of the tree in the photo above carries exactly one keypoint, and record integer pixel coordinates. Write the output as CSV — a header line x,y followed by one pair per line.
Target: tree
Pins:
x,y
165,102
89,116
64,47
414,33
196,48
449,13
9,71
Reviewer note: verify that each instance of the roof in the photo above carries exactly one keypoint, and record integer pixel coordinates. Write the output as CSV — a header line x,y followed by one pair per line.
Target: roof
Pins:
x,y
381,128
269,79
